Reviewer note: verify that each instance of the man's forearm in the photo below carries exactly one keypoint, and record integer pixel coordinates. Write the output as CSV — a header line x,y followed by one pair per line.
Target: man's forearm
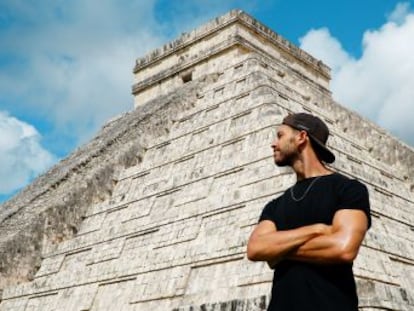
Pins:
x,y
274,245
338,246
330,248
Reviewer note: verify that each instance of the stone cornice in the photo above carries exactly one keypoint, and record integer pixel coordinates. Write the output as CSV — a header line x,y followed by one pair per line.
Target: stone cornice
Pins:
x,y
214,26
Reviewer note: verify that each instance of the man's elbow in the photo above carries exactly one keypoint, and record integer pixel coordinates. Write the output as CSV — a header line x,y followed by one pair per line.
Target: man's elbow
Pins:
x,y
347,254
253,251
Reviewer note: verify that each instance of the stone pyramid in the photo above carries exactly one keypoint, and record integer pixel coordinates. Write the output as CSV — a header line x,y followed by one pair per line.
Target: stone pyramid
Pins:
x,y
154,213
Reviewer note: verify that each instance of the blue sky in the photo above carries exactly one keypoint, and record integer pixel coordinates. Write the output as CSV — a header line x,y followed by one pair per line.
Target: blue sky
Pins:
x,y
66,66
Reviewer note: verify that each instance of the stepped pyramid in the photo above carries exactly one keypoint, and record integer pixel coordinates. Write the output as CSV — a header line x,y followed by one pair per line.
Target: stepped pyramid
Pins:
x,y
154,213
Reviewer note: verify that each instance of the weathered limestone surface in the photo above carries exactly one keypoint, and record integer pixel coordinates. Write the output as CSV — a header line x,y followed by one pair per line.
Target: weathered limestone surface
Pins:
x,y
154,213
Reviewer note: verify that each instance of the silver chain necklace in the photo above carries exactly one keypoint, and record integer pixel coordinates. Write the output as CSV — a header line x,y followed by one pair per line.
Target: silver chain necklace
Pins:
x,y
306,191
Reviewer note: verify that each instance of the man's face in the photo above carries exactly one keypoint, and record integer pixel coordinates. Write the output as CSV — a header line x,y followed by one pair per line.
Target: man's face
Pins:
x,y
285,151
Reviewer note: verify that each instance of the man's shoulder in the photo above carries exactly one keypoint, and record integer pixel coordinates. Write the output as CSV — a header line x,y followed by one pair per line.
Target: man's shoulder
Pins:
x,y
346,181
346,186
275,201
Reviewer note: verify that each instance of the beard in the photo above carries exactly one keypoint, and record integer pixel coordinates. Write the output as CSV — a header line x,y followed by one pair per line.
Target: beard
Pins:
x,y
285,158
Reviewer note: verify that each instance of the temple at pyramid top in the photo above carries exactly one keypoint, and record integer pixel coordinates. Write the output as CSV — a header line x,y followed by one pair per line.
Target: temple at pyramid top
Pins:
x,y
223,40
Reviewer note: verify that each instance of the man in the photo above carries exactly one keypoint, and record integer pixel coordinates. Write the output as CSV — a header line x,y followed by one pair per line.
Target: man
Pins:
x,y
311,234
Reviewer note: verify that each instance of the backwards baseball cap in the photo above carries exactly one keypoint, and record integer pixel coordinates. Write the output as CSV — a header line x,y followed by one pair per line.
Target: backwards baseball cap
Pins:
x,y
317,131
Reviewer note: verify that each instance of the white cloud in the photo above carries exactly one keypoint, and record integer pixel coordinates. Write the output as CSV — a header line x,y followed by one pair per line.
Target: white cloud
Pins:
x,y
399,13
328,48
73,60
21,155
379,84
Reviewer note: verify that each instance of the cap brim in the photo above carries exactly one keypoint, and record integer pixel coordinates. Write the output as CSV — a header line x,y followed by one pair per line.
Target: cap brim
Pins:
x,y
324,153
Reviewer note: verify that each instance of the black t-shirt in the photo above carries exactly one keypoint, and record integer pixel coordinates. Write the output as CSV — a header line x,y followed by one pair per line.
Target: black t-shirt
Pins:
x,y
299,286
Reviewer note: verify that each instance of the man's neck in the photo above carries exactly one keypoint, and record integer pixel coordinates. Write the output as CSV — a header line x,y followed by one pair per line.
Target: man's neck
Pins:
x,y
308,169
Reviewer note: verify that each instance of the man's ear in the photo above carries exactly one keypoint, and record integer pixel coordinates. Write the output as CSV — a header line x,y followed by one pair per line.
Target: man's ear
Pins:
x,y
302,137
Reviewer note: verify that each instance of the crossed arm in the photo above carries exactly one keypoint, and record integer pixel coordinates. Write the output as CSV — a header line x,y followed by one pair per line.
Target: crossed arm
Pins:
x,y
318,243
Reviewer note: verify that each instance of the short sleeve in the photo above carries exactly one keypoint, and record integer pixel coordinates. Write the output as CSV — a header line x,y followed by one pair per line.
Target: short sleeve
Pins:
x,y
268,212
354,195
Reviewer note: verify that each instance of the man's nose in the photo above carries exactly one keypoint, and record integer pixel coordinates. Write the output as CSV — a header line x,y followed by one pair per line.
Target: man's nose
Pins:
x,y
274,143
